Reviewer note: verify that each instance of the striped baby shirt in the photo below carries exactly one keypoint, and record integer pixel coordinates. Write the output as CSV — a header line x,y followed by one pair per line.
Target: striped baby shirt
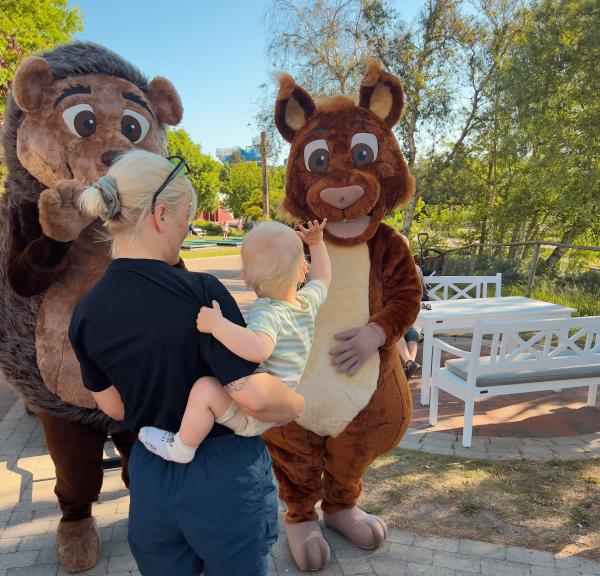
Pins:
x,y
292,330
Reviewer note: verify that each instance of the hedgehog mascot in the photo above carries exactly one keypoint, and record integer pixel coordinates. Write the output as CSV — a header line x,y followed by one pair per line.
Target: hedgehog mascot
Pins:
x,y
70,113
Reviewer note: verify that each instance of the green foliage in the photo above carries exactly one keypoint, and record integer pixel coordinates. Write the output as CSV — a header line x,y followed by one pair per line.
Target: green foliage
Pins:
x,y
204,170
30,26
241,182
253,208
215,229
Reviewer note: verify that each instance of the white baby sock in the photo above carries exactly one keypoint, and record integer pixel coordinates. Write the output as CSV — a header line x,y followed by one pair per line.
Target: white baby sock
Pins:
x,y
166,445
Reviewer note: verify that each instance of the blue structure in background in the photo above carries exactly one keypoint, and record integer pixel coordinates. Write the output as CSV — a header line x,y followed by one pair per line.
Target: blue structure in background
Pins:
x,y
247,154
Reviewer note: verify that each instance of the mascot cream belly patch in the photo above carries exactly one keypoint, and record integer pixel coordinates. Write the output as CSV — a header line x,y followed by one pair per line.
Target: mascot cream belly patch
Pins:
x,y
345,165
71,112
329,409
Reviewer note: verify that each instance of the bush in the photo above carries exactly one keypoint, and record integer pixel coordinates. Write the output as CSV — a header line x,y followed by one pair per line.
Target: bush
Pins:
x,y
214,229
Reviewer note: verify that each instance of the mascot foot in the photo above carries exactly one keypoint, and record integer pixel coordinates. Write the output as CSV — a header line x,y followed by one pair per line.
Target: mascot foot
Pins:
x,y
309,549
78,544
362,529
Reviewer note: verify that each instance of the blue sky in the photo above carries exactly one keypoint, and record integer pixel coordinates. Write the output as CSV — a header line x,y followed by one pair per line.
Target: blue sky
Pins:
x,y
213,52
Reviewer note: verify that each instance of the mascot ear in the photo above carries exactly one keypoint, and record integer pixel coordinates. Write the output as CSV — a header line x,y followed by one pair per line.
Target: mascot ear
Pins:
x,y
31,83
166,101
293,107
381,93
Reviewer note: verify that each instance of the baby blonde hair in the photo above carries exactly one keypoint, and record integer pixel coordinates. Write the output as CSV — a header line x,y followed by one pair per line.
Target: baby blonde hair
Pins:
x,y
272,258
136,175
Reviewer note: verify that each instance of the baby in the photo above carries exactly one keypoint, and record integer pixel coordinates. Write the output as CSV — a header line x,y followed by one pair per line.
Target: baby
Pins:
x,y
279,334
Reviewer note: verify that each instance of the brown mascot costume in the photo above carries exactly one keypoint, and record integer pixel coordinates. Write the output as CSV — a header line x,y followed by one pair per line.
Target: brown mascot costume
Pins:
x,y
345,165
72,110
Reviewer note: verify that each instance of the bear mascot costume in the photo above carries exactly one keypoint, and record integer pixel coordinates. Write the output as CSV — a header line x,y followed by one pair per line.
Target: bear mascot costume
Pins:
x,y
71,112
345,165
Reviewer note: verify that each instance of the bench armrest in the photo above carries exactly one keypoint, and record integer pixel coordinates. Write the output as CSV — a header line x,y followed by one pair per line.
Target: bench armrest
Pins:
x,y
439,346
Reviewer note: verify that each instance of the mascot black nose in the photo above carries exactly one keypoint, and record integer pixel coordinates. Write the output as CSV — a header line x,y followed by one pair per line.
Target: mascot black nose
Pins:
x,y
110,156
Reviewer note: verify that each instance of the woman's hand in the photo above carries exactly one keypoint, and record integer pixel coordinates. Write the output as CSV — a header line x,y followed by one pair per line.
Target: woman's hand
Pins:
x,y
208,318
314,233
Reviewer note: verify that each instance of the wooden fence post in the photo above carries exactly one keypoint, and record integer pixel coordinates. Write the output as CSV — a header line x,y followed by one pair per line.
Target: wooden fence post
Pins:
x,y
445,264
472,262
532,269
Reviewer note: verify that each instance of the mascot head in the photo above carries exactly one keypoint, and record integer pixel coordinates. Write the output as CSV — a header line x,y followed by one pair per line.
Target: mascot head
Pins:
x,y
74,109
345,163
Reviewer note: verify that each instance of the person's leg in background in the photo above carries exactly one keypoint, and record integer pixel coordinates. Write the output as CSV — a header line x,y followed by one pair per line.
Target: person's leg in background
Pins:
x,y
407,348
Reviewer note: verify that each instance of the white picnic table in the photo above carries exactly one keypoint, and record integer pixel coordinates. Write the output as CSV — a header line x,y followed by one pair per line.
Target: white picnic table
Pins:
x,y
461,315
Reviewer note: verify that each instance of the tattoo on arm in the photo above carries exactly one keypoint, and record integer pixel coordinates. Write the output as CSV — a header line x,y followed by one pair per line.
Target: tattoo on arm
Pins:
x,y
237,385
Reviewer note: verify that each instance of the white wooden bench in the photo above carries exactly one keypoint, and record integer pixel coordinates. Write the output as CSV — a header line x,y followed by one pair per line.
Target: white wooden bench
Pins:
x,y
525,356
457,287
200,232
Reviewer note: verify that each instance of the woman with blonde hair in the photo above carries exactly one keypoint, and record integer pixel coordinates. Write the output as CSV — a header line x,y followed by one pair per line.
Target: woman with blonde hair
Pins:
x,y
135,336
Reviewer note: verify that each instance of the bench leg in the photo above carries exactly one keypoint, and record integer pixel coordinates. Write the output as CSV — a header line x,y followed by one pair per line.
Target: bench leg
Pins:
x,y
468,424
433,403
591,399
426,365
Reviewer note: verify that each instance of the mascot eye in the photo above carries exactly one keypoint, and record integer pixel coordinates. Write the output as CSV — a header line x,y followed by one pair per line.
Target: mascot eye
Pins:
x,y
134,126
316,156
364,149
80,120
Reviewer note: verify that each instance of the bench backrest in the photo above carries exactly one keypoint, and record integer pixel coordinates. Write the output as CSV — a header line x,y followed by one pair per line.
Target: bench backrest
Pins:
x,y
531,345
458,287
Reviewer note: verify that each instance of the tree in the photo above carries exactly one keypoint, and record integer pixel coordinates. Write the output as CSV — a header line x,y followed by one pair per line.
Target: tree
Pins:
x,y
443,59
239,181
27,27
252,208
30,26
551,85
204,171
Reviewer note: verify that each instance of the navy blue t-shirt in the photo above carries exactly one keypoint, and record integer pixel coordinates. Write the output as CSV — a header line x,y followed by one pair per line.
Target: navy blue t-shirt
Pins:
x,y
136,330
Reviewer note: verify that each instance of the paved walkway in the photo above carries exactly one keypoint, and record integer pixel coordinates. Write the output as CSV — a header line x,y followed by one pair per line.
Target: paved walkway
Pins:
x,y
29,516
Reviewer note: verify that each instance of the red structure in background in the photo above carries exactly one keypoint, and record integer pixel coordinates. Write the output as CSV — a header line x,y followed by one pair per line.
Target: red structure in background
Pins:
x,y
220,216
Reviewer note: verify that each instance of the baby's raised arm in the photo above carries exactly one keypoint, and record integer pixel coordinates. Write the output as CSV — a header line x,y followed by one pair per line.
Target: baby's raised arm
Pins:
x,y
320,265
249,345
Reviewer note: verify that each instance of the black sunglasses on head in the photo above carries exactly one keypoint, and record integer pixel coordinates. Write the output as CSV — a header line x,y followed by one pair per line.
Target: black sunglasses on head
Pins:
x,y
179,166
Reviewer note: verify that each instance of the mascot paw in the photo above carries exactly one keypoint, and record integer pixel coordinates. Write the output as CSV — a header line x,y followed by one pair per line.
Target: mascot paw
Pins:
x,y
60,217
362,529
309,549
78,544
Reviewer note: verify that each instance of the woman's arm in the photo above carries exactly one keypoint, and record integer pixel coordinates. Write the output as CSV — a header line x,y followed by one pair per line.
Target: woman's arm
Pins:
x,y
249,345
109,401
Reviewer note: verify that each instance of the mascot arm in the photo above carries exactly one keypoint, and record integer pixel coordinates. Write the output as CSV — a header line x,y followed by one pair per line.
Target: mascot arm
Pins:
x,y
402,290
35,260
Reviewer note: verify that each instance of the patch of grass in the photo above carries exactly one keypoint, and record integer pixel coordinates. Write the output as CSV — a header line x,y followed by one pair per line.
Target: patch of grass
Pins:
x,y
585,302
210,252
469,507
580,516
552,506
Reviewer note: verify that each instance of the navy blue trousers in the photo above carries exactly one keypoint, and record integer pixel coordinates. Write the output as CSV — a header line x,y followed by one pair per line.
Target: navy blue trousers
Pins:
x,y
217,514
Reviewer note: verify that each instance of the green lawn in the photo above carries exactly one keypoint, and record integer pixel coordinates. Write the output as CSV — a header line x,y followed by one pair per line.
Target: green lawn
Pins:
x,y
210,252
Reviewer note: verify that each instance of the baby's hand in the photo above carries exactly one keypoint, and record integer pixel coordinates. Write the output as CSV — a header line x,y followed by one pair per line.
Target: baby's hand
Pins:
x,y
208,318
314,233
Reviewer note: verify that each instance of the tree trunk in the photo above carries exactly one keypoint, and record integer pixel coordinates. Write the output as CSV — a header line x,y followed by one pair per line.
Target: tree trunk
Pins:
x,y
577,228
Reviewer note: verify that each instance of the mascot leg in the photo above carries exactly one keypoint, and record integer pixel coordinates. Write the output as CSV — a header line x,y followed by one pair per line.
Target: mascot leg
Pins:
x,y
298,462
76,451
376,429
